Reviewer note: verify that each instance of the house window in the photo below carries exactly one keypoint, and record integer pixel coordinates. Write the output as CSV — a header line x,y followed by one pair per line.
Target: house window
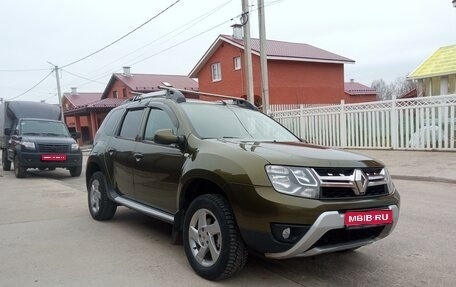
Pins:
x,y
124,92
114,94
237,63
216,72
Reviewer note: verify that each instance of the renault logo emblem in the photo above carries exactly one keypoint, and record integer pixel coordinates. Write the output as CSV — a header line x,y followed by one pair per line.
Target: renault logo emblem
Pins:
x,y
360,181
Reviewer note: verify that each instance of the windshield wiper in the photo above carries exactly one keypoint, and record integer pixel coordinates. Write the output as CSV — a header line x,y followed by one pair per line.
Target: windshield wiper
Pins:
x,y
31,134
53,134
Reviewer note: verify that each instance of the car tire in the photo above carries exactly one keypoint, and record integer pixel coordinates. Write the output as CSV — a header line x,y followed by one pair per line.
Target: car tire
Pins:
x,y
212,240
101,208
75,171
19,171
6,164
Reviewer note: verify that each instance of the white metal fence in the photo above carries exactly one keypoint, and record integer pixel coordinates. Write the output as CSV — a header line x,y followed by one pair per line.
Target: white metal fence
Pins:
x,y
427,123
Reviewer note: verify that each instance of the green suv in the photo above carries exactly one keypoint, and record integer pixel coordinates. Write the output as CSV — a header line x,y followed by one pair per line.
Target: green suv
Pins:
x,y
231,180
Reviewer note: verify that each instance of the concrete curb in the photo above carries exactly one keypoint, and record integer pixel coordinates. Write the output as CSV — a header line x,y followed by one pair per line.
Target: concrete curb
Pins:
x,y
424,178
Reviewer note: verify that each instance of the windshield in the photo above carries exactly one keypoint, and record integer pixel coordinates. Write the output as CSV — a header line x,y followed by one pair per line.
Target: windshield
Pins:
x,y
228,121
43,128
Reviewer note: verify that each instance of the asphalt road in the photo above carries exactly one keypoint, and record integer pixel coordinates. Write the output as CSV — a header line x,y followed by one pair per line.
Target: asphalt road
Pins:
x,y
47,238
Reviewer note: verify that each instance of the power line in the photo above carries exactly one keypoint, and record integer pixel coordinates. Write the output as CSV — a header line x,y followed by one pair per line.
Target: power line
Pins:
x,y
124,36
34,86
187,26
21,70
82,77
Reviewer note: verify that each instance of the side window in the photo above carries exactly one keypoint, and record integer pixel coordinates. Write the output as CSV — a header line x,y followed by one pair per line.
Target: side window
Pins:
x,y
109,124
157,120
131,123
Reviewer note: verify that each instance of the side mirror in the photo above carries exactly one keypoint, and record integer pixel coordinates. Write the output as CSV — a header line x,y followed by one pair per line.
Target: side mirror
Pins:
x,y
7,131
76,135
166,136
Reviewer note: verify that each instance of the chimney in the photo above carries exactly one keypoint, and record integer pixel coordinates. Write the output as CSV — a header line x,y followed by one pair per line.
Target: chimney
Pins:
x,y
74,91
238,31
352,80
126,71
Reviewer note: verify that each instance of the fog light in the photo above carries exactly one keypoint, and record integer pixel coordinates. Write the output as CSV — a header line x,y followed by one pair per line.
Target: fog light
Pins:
x,y
286,233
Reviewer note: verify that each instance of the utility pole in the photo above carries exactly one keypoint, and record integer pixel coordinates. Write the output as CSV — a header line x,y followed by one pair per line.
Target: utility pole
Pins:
x,y
247,51
263,58
59,92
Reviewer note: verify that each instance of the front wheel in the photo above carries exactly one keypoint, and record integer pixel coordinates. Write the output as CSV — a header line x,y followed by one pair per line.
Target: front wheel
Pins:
x,y
19,171
100,206
75,171
212,241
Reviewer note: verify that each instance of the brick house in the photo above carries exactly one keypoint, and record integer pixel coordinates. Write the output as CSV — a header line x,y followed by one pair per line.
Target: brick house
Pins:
x,y
125,85
298,73
358,93
85,113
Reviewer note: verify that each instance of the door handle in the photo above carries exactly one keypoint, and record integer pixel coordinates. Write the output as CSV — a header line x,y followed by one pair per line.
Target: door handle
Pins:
x,y
138,156
111,151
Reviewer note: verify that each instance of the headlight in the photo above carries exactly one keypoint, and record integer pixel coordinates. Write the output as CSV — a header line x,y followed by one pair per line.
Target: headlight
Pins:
x,y
74,147
28,145
389,180
297,181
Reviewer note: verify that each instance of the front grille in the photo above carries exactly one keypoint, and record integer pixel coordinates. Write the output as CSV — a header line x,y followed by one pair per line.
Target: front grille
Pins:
x,y
341,236
53,148
345,192
351,182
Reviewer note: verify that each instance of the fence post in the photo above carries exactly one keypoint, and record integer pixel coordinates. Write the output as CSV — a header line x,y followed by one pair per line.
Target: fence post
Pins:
x,y
394,123
343,125
302,124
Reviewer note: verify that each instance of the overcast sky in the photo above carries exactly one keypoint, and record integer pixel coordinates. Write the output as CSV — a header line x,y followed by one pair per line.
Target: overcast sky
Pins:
x,y
387,38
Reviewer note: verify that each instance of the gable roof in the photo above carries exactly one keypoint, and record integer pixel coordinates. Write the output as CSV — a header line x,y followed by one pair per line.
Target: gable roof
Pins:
x,y
442,62
357,89
275,50
150,82
82,99
103,105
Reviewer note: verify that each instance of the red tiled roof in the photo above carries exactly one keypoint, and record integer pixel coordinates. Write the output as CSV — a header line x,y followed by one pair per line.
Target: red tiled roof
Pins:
x,y
275,50
82,99
410,94
101,105
355,89
280,49
150,82
106,103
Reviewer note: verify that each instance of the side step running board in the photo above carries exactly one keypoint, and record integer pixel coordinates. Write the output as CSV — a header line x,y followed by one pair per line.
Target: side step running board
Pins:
x,y
145,209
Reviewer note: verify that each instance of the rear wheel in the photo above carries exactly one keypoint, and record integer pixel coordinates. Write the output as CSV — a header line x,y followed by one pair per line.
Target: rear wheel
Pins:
x,y
100,206
212,241
6,164
75,171
19,171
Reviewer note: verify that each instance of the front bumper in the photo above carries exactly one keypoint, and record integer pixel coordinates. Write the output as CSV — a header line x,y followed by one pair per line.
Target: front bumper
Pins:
x,y
33,160
328,221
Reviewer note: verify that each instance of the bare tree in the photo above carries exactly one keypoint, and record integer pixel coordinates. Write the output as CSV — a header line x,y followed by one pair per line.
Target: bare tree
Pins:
x,y
399,87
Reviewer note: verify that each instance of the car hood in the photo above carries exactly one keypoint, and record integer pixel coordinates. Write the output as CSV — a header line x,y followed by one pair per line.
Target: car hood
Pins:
x,y
48,140
302,154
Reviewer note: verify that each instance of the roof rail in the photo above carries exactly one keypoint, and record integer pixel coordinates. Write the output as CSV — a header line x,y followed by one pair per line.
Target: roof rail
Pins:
x,y
168,93
235,100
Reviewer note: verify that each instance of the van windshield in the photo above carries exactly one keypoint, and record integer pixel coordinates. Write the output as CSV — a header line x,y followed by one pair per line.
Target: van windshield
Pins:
x,y
43,128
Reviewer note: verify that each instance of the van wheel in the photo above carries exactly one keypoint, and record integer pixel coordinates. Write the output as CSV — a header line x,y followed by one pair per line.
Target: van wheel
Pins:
x,y
19,172
75,171
6,164
100,206
212,241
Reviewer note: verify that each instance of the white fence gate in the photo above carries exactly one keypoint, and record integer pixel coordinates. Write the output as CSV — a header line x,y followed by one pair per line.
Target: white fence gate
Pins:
x,y
427,123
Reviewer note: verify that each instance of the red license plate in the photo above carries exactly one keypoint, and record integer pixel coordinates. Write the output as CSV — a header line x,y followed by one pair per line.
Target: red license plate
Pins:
x,y
53,157
368,217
